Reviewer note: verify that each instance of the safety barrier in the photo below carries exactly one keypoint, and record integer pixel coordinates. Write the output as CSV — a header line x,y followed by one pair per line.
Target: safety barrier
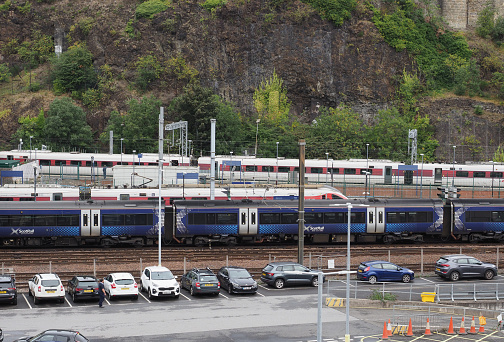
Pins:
x,y
477,291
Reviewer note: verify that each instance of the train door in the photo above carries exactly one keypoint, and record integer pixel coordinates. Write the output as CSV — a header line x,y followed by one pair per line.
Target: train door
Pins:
x,y
388,175
438,175
375,220
248,221
90,223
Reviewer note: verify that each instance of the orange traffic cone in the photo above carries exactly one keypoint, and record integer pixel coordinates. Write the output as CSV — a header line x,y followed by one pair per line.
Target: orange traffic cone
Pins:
x,y
427,328
389,328
481,329
473,327
450,327
462,330
385,333
410,329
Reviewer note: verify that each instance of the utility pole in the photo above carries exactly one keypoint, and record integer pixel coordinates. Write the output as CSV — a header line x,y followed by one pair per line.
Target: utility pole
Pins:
x,y
301,212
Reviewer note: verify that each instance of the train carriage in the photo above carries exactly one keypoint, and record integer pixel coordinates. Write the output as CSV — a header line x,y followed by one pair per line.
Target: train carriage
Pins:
x,y
79,223
476,220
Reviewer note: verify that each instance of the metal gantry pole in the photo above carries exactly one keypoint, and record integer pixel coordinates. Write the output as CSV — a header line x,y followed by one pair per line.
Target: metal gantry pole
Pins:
x,y
301,219
347,303
212,158
160,178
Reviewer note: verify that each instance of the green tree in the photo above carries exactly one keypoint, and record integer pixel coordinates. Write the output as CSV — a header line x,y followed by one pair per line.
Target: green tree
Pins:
x,y
197,106
73,70
31,127
388,138
148,69
338,131
485,22
498,155
270,100
65,125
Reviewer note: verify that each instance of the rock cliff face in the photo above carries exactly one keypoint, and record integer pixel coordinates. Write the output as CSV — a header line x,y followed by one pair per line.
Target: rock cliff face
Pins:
x,y
233,49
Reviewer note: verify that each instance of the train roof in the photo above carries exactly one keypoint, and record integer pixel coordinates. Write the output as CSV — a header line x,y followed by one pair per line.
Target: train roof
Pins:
x,y
78,205
477,201
355,202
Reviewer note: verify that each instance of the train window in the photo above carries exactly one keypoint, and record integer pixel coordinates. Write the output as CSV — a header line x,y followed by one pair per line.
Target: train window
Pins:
x,y
478,216
138,219
75,162
45,220
21,220
57,196
497,216
84,220
6,199
289,218
112,220
68,220
4,220
333,171
243,218
124,197
253,218
314,218
296,169
349,171
250,168
26,198
357,217
316,170
267,169
283,169
371,217
210,218
479,174
495,174
396,217
226,218
461,173
380,217
109,164
335,217
197,218
269,218
173,199
419,217
44,162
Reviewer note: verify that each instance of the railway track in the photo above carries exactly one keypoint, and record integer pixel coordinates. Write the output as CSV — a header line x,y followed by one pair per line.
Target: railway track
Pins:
x,y
68,262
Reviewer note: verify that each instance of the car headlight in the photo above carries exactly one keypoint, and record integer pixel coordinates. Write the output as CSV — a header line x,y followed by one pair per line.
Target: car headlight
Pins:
x,y
235,284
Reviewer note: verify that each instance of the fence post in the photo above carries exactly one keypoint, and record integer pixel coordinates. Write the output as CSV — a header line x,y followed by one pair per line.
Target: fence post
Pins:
x,y
389,255
140,267
498,257
421,261
94,268
227,260
185,265
50,266
475,292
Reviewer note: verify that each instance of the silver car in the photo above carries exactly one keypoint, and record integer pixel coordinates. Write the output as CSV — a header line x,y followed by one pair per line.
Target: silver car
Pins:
x,y
458,266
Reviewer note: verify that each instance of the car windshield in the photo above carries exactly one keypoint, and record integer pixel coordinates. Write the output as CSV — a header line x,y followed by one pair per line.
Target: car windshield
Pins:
x,y
52,282
89,283
124,281
165,275
268,268
4,284
442,260
239,274
208,278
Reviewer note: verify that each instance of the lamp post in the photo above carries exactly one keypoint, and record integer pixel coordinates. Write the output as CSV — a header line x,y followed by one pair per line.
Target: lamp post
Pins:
x,y
421,177
257,132
35,183
133,174
347,303
31,136
121,149
277,163
327,166
231,169
493,173
20,144
367,168
453,175
92,169
190,147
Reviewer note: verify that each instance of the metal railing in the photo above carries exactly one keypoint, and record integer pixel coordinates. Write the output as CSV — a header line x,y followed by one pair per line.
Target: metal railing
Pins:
x,y
476,291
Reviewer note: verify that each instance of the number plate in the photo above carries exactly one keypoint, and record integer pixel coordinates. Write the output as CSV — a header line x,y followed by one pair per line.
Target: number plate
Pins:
x,y
125,288
209,285
247,288
264,274
3,291
438,269
360,270
50,291
88,290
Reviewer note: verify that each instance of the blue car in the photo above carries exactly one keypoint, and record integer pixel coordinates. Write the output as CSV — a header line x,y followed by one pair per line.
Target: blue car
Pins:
x,y
378,270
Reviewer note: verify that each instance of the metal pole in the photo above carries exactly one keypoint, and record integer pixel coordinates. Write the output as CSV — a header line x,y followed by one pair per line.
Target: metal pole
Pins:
x,y
35,184
367,168
319,306
257,132
231,169
277,164
160,178
421,177
133,174
493,173
453,175
121,150
327,166
301,219
31,136
183,185
212,159
347,303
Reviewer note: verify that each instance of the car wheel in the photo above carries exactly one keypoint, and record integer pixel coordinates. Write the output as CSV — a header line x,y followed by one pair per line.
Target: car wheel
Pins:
x,y
454,276
140,287
109,297
135,298
314,281
279,283
35,300
489,274
230,289
74,299
14,301
29,293
191,291
406,278
372,279
150,293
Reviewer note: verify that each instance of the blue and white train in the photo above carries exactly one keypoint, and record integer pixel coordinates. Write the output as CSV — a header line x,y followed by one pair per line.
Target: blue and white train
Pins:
x,y
197,222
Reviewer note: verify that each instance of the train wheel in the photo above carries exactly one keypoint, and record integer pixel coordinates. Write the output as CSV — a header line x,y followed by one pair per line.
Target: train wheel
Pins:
x,y
231,241
473,238
200,241
387,239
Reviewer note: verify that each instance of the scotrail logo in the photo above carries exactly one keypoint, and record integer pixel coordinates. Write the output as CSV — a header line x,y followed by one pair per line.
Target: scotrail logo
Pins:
x,y
20,231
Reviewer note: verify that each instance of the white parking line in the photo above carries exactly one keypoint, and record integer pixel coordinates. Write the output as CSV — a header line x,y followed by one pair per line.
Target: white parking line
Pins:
x,y
220,293
260,294
183,295
27,302
144,297
428,280
264,287
66,300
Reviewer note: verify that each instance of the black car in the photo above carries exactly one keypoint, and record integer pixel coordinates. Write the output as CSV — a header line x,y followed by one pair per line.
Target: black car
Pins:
x,y
8,290
55,335
236,280
458,266
200,281
83,287
280,274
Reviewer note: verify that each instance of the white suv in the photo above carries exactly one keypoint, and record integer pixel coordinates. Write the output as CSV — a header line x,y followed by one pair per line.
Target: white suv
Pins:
x,y
46,286
120,285
159,281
